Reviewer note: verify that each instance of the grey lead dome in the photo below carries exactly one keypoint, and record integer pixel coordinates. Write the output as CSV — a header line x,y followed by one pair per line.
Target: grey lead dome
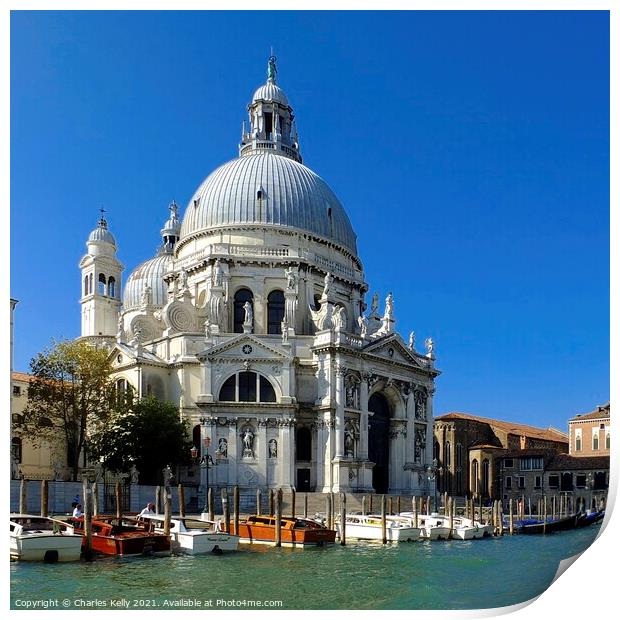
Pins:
x,y
265,188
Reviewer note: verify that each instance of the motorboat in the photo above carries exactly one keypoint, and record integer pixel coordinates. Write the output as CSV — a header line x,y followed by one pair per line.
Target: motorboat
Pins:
x,y
192,540
368,527
124,536
431,526
43,539
294,531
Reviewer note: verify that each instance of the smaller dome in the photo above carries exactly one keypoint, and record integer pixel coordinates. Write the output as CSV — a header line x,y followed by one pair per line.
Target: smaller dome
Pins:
x,y
270,92
151,273
172,227
101,233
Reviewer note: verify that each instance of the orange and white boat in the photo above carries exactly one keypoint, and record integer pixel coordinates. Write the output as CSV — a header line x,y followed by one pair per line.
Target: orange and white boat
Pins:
x,y
294,532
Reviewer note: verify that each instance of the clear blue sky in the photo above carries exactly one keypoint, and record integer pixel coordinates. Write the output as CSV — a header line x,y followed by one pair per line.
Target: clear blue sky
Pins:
x,y
470,150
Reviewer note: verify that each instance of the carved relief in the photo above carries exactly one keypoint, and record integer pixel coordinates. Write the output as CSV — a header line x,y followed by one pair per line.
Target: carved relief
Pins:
x,y
352,391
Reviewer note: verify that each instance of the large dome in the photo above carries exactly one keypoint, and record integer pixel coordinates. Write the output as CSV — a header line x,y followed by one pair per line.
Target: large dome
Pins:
x,y
150,272
265,188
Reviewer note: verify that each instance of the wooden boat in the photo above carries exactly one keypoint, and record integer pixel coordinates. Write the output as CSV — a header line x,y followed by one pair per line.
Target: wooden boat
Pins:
x,y
194,540
532,526
294,532
125,536
42,539
368,527
589,518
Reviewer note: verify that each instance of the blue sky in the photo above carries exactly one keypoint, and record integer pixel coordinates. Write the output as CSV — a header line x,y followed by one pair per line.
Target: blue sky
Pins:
x,y
470,150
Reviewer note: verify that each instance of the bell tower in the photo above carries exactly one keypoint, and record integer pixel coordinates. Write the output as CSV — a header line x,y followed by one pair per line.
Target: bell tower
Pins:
x,y
100,283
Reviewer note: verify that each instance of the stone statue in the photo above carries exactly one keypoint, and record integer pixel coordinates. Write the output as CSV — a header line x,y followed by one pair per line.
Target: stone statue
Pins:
x,y
430,347
207,329
120,325
291,279
362,321
339,318
374,306
273,449
389,308
222,446
284,328
329,280
218,273
146,297
183,281
349,441
271,68
248,443
134,475
249,314
412,341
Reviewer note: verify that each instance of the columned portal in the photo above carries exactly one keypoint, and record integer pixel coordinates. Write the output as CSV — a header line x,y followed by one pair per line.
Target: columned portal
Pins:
x,y
379,441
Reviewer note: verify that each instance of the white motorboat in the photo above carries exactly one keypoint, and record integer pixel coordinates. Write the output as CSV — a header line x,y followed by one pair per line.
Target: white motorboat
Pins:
x,y
368,527
484,529
431,526
42,539
192,540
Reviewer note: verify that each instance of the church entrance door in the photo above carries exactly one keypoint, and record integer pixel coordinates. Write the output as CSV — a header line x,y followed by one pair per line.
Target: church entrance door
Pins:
x,y
379,442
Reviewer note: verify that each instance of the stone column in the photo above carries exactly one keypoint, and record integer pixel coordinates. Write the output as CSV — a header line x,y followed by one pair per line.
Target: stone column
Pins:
x,y
233,451
328,451
363,447
318,441
285,454
429,425
340,401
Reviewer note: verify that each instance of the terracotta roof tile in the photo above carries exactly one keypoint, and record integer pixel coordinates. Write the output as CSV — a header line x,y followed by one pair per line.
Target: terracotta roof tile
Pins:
x,y
602,412
564,461
549,434
20,376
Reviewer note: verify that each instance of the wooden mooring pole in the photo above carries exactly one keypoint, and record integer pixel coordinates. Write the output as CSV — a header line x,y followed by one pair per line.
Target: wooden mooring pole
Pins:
x,y
511,524
236,510
370,504
414,504
210,505
328,511
390,510
88,530
305,505
343,519
225,510
500,517
398,504
363,504
293,501
157,499
545,515
450,508
383,521
95,494
271,503
117,492
44,497
23,496
279,518
167,509
258,501
181,492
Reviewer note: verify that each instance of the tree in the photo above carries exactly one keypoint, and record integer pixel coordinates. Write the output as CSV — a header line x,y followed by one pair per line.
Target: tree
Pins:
x,y
146,433
70,392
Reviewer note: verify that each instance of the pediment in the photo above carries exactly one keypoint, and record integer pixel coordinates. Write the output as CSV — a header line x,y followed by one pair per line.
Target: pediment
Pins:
x,y
123,354
245,347
391,348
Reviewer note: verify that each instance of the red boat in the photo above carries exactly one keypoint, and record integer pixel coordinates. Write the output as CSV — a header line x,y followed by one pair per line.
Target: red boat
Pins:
x,y
125,536
294,532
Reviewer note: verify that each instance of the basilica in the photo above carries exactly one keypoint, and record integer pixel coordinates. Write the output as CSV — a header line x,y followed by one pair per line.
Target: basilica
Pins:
x,y
255,318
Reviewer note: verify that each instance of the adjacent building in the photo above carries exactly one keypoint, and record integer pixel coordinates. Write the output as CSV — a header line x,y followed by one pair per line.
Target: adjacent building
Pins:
x,y
590,433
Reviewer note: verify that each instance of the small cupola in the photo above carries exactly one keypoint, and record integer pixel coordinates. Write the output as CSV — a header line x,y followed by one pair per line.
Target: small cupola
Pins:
x,y
171,231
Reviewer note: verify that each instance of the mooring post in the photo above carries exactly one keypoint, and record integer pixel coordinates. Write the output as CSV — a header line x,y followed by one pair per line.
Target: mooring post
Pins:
x,y
414,503
293,500
370,505
445,504
88,530
305,505
167,509
279,518
428,505
271,503
236,510
500,506
450,503
383,521
210,505
23,496
363,504
158,499
511,524
480,505
44,497
553,508
119,508
258,501
181,494
390,510
343,519
332,525
328,511
545,515
398,504
225,510
95,495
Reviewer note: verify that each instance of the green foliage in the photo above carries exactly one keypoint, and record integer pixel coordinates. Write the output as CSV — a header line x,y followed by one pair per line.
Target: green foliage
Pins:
x,y
148,434
70,392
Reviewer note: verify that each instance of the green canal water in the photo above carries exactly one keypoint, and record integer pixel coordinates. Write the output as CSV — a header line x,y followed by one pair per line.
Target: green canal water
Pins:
x,y
485,573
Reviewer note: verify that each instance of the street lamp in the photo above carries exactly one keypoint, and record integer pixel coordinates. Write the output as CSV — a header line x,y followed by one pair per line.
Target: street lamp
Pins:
x,y
206,462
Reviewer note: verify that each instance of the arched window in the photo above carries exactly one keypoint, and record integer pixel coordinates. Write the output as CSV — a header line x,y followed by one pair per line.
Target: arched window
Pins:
x,y
275,312
102,284
124,392
595,440
459,454
111,287
474,483
91,290
16,449
304,444
485,477
247,387
607,441
241,296
85,285
196,439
